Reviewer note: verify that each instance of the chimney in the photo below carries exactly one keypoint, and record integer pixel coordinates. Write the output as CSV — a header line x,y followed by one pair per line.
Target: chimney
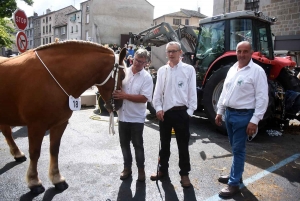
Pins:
x,y
48,11
35,14
199,9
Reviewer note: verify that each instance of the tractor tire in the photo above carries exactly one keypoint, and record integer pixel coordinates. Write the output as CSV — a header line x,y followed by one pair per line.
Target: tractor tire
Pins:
x,y
211,95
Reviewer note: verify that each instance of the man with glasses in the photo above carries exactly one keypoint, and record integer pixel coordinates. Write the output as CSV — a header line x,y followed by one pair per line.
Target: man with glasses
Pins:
x,y
175,100
137,88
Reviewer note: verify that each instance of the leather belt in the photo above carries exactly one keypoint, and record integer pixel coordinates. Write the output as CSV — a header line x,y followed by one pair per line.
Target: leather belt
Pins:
x,y
178,108
238,110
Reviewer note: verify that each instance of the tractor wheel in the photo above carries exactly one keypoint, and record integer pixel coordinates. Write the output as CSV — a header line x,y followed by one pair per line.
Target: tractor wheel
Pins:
x,y
211,95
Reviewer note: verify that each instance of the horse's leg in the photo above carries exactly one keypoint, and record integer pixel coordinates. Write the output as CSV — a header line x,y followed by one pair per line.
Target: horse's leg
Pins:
x,y
54,174
14,149
35,137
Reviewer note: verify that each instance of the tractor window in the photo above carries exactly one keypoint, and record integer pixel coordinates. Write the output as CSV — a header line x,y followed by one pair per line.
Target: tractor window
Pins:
x,y
211,39
240,30
263,41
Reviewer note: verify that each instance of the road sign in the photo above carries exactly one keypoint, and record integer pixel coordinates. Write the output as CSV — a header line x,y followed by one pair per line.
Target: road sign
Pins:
x,y
21,41
20,19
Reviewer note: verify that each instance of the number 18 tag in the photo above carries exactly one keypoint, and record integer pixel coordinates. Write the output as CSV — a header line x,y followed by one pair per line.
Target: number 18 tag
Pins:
x,y
74,103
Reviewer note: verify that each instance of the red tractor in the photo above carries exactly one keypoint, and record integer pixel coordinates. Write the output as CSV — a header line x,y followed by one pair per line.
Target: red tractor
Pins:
x,y
215,54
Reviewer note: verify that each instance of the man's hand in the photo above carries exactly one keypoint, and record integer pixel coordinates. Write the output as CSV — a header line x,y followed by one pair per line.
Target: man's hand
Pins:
x,y
251,129
218,120
160,115
119,94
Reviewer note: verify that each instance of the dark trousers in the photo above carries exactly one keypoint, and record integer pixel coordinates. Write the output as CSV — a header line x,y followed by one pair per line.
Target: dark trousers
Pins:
x,y
132,132
179,120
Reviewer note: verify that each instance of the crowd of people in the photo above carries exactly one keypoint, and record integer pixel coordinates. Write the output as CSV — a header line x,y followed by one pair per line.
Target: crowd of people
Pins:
x,y
242,104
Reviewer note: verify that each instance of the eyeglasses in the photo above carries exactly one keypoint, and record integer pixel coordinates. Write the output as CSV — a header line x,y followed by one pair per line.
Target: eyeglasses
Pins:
x,y
139,62
172,51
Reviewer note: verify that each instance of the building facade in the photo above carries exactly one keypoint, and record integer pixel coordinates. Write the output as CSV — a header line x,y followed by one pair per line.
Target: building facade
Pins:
x,y
111,19
182,17
74,25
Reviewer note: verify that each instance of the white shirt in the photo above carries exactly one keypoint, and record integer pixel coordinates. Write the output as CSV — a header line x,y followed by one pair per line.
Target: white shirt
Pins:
x,y
246,88
175,87
140,83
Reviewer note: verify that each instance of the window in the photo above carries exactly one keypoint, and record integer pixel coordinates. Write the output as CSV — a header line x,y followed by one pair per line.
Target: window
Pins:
x,y
46,40
87,7
43,30
56,32
87,35
240,30
49,39
176,21
87,18
72,29
211,39
46,19
49,18
252,5
43,20
46,29
43,41
186,22
50,28
76,28
63,30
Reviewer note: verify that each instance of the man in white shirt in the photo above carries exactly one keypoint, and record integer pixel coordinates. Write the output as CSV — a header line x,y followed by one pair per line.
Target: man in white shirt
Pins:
x,y
175,100
137,88
243,101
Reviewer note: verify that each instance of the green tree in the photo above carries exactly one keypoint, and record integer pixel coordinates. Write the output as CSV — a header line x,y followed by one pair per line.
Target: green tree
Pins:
x,y
7,7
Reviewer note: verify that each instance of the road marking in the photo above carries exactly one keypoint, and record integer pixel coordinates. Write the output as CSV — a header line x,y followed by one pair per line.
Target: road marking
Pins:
x,y
260,175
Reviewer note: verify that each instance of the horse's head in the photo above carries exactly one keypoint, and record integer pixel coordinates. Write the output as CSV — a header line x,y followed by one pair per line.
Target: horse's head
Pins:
x,y
114,84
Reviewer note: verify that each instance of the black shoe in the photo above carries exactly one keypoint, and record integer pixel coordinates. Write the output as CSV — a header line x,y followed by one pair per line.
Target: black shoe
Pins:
x,y
229,191
224,179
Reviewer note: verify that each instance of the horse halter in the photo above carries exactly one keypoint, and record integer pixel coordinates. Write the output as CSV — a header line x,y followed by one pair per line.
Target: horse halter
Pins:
x,y
114,71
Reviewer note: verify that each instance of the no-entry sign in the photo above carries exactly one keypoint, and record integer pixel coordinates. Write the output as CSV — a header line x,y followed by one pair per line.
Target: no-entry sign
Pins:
x,y
21,41
20,19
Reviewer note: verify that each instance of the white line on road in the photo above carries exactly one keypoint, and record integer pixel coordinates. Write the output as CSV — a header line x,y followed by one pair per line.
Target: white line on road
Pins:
x,y
260,175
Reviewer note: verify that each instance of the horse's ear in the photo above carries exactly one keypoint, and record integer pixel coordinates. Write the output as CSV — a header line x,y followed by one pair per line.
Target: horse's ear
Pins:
x,y
122,55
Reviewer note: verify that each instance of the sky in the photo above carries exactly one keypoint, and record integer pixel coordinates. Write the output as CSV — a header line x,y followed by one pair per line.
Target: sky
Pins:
x,y
161,7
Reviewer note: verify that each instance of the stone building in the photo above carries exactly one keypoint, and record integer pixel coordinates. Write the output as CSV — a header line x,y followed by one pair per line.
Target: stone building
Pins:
x,y
287,12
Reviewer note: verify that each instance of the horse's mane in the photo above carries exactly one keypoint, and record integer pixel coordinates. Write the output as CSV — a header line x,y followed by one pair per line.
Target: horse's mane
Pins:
x,y
57,43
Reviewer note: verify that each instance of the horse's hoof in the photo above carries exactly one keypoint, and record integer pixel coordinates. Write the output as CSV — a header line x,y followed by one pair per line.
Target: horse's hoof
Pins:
x,y
20,159
37,189
61,186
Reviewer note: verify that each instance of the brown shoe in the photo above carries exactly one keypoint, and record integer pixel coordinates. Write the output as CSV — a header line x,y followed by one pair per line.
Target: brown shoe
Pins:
x,y
229,191
185,181
125,173
224,179
156,176
141,174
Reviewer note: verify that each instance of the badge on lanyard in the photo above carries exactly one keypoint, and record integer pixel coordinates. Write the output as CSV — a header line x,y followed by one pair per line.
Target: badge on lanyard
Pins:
x,y
74,103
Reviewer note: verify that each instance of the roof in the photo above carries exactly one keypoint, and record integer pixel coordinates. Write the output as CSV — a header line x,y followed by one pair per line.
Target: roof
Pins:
x,y
185,13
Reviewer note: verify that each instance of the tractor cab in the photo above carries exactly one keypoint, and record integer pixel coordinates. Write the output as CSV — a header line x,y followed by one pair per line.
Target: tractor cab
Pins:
x,y
219,36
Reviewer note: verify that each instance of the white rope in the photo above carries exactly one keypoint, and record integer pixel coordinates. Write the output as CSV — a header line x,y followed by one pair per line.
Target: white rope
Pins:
x,y
111,123
51,73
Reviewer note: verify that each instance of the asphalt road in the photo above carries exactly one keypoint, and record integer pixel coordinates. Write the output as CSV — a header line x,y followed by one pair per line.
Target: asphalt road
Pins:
x,y
91,161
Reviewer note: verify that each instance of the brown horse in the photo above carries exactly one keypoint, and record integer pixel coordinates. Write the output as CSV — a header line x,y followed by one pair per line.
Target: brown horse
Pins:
x,y
35,93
